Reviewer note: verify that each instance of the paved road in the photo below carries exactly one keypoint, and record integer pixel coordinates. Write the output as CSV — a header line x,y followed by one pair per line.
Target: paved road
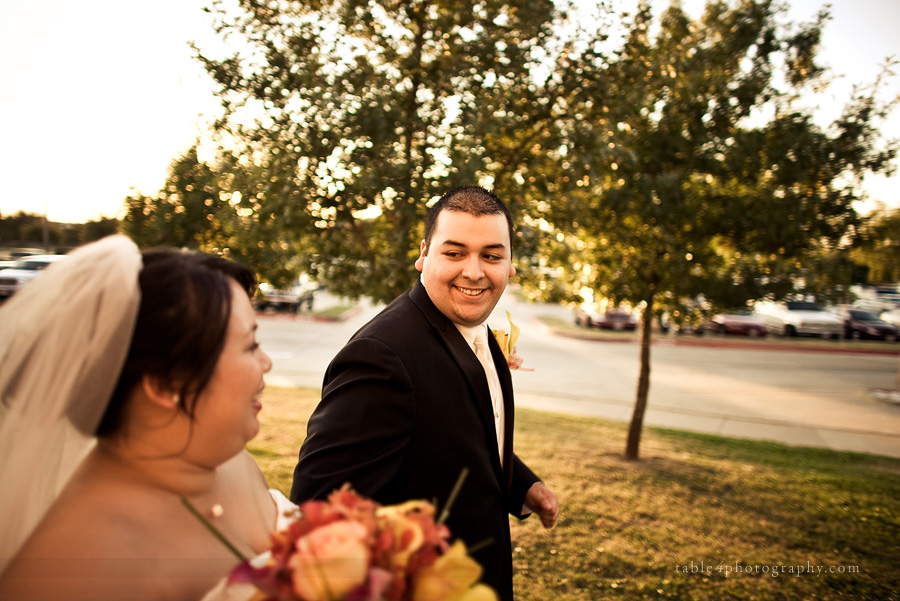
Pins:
x,y
797,397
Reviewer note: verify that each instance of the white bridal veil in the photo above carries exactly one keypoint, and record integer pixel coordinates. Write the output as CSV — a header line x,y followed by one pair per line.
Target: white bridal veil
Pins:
x,y
63,340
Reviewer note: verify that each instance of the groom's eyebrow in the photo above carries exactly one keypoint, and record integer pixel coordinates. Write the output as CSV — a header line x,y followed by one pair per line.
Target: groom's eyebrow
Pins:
x,y
498,245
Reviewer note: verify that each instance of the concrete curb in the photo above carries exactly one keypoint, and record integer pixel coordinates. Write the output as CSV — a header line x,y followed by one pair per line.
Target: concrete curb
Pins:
x,y
734,342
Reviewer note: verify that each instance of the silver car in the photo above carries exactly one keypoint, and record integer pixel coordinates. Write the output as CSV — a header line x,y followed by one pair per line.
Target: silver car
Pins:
x,y
14,278
799,318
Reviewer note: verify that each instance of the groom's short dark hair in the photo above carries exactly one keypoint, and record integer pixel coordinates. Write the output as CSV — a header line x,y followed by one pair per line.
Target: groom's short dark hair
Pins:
x,y
473,200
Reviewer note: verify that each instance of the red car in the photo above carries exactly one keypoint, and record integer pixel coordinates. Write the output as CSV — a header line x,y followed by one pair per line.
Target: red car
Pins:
x,y
741,323
612,319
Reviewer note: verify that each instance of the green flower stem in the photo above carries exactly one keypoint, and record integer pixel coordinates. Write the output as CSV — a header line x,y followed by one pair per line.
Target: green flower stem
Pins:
x,y
453,494
215,531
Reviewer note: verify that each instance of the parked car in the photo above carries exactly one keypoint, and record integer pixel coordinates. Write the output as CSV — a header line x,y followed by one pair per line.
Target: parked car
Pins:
x,y
892,316
611,319
742,322
875,299
14,278
294,298
859,324
617,319
586,316
874,305
799,318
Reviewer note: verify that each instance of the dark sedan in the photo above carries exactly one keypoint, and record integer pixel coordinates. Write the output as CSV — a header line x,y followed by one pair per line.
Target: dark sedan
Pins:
x,y
859,324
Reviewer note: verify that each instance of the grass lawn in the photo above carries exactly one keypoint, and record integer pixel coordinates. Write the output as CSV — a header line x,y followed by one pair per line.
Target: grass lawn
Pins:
x,y
697,518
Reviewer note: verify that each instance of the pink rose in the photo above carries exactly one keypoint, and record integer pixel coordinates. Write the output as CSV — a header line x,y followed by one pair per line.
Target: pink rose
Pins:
x,y
514,360
330,561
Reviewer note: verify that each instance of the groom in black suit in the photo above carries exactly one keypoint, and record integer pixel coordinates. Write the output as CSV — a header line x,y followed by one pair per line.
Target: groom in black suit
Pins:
x,y
407,406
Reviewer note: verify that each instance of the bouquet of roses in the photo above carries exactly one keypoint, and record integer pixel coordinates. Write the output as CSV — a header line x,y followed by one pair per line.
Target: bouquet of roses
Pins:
x,y
350,548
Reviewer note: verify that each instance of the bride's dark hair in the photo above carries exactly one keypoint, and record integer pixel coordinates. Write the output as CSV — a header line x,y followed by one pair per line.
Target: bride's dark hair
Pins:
x,y
181,324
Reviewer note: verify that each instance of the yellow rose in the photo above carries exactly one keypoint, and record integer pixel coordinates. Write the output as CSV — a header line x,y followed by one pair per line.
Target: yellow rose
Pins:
x,y
506,341
450,578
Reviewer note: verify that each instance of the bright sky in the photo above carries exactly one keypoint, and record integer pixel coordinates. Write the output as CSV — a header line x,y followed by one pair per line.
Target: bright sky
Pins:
x,y
100,95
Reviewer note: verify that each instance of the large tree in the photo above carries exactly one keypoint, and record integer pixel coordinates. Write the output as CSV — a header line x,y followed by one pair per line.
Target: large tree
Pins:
x,y
360,113
698,178
214,206
878,249
673,170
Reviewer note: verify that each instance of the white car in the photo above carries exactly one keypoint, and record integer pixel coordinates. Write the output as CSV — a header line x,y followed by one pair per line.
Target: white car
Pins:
x,y
13,278
892,316
294,298
799,318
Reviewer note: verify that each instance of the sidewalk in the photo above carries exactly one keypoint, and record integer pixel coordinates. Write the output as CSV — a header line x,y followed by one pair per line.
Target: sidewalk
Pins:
x,y
835,438
873,436
881,438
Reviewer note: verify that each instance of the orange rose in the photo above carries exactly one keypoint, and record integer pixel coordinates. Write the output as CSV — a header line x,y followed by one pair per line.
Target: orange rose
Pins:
x,y
405,534
330,561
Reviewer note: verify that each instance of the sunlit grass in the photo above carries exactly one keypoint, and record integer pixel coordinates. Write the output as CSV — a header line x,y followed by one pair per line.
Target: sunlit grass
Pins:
x,y
629,530
282,430
334,311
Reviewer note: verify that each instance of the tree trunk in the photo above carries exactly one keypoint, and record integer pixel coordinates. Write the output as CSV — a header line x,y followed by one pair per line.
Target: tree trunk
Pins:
x,y
633,444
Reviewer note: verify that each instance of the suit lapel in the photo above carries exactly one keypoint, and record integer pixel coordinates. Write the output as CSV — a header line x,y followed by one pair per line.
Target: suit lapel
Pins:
x,y
471,367
506,388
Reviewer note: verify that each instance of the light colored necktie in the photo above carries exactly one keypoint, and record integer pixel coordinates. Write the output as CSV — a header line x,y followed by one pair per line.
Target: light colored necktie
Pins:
x,y
483,352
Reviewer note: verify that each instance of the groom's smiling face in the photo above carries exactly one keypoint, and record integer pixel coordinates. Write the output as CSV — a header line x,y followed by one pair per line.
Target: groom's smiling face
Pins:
x,y
467,265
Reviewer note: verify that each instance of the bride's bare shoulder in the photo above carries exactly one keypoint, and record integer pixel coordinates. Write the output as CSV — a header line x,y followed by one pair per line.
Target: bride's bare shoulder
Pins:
x,y
103,539
242,469
243,491
93,518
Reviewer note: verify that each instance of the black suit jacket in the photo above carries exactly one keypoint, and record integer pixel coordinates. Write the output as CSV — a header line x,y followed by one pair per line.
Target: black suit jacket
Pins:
x,y
405,408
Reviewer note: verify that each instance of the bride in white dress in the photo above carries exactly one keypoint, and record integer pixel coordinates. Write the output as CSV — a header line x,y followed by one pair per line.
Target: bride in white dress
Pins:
x,y
129,381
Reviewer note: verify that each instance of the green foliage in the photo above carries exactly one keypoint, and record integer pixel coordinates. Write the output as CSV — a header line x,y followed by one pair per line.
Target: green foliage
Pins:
x,y
185,214
650,168
217,208
684,188
675,169
879,247
359,114
29,230
696,181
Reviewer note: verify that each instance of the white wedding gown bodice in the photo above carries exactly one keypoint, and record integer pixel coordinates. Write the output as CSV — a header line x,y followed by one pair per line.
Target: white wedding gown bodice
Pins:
x,y
242,591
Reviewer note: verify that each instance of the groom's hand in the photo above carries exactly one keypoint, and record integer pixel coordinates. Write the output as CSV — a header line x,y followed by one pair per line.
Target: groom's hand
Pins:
x,y
542,501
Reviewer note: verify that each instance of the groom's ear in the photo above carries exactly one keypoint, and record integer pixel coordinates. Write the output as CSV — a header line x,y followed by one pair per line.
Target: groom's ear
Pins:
x,y
159,392
420,262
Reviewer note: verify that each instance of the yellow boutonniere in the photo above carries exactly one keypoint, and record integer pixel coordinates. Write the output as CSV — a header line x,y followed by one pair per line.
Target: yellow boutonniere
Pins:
x,y
507,343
